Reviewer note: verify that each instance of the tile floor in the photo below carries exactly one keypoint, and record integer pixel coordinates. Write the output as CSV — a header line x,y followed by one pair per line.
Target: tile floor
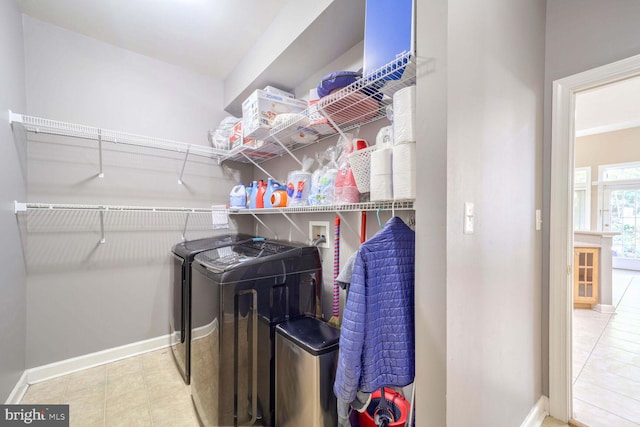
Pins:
x,y
143,390
147,390
606,359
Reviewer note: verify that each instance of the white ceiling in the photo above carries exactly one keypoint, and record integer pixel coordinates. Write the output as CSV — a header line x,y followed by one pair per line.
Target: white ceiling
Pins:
x,y
208,36
607,108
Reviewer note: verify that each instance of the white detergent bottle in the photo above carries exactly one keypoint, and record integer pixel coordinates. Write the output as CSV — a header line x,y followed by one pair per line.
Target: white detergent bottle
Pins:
x,y
238,197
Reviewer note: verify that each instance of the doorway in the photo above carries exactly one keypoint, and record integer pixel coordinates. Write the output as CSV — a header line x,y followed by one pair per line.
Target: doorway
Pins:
x,y
561,225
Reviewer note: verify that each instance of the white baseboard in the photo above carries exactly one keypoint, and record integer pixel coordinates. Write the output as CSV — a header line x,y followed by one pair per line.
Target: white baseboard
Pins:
x,y
537,414
52,370
604,308
18,391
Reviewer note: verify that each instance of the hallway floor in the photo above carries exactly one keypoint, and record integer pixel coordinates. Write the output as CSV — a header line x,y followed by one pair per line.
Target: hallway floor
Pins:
x,y
144,390
606,358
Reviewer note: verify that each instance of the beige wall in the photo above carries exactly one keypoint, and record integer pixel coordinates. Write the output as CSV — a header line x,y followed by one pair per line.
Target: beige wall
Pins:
x,y
621,146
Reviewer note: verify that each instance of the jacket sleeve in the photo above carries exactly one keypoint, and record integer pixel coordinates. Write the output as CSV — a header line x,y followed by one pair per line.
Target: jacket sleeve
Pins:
x,y
352,335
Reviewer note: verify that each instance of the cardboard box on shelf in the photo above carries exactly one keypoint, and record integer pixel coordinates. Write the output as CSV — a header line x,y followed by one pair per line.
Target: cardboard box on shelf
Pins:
x,y
261,108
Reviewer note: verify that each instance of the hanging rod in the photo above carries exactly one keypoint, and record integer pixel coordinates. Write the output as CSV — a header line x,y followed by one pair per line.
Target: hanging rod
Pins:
x,y
23,207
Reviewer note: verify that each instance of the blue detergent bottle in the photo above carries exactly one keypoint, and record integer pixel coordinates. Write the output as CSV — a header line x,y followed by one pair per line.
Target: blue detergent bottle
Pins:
x,y
254,194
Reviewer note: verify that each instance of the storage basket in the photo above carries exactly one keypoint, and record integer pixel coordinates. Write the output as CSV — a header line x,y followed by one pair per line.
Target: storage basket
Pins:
x,y
360,162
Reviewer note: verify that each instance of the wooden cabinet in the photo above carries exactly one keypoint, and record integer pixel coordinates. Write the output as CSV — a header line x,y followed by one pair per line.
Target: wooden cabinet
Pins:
x,y
586,262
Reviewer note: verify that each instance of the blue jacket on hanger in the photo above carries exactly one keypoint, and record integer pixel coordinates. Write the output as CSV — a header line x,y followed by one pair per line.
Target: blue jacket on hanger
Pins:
x,y
377,339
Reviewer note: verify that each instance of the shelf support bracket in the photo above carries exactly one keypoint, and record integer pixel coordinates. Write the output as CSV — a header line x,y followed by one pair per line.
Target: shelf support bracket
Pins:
x,y
258,166
19,207
344,221
184,163
101,173
287,150
184,230
102,239
275,235
335,126
295,225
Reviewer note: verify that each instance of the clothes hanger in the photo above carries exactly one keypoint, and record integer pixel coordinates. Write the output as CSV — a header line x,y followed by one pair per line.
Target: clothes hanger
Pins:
x,y
378,215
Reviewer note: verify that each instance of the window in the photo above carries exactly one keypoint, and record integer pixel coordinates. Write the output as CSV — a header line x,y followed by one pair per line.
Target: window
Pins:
x,y
582,199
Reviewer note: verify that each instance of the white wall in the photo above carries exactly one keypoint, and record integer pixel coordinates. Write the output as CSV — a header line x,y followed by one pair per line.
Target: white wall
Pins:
x,y
83,296
431,213
580,35
494,149
12,187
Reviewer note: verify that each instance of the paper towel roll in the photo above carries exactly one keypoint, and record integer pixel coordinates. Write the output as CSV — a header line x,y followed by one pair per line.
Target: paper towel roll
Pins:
x,y
404,171
381,188
381,161
384,138
404,115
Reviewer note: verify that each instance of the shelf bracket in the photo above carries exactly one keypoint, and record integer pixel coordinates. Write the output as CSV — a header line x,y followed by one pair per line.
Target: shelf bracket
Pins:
x,y
295,225
287,150
275,235
344,221
258,166
335,126
102,239
19,207
184,163
184,230
101,173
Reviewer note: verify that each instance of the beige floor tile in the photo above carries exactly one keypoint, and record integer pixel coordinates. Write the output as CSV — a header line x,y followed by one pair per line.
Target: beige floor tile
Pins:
x,y
173,412
118,386
617,354
552,422
136,416
125,367
86,378
126,402
607,400
595,417
50,391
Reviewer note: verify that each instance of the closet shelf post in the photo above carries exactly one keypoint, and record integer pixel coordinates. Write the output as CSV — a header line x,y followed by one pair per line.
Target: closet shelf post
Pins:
x,y
102,239
101,173
295,225
287,150
184,163
275,235
258,166
184,230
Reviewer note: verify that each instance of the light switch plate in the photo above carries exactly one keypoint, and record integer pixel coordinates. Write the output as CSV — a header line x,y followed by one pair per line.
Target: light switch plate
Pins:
x,y
469,218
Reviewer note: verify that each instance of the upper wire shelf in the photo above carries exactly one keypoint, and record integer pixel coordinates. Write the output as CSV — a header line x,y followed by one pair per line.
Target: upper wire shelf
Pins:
x,y
362,102
54,127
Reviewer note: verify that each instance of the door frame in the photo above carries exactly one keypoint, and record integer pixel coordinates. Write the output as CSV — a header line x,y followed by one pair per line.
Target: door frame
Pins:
x,y
561,224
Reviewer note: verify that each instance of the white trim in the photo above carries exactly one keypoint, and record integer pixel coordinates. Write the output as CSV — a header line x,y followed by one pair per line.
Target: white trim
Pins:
x,y
604,308
63,367
561,218
18,391
608,128
536,415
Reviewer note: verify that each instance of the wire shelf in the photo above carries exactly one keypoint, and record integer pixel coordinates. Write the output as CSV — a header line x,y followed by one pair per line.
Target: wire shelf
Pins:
x,y
23,207
351,207
364,101
55,127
